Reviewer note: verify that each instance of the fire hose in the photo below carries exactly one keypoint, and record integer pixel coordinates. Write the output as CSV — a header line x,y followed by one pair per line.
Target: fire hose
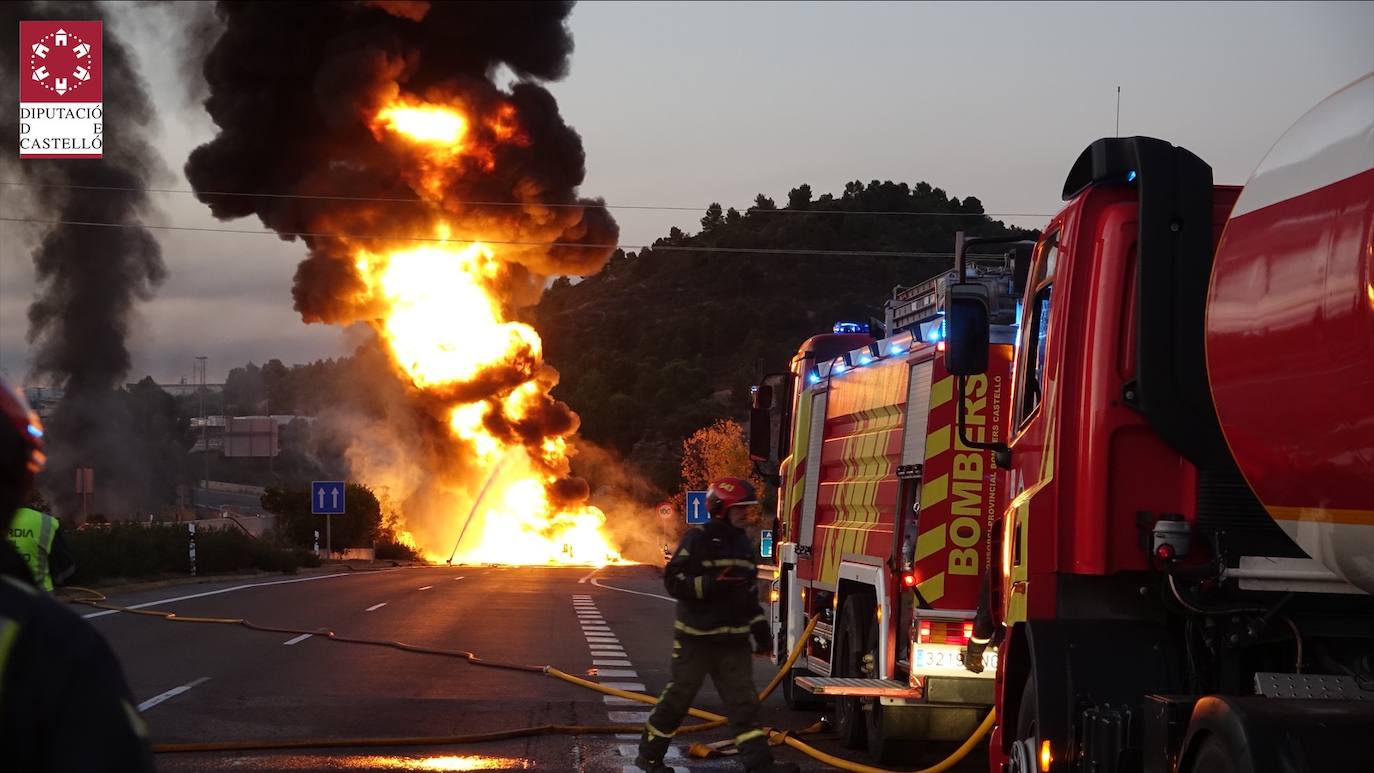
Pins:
x,y
776,737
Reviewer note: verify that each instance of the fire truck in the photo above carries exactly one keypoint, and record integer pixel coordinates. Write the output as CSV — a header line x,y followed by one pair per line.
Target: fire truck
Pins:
x,y
1185,556
884,514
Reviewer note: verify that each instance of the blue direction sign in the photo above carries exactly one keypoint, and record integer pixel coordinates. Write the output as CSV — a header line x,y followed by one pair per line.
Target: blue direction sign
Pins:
x,y
327,497
696,508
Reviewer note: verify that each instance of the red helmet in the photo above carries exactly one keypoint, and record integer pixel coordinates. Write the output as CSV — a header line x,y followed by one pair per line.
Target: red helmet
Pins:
x,y
21,447
727,493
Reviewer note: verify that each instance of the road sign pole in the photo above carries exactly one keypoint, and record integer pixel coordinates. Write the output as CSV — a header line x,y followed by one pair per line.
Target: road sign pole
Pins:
x,y
329,535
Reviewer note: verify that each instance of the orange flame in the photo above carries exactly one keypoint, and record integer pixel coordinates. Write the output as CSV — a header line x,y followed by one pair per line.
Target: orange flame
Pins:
x,y
444,326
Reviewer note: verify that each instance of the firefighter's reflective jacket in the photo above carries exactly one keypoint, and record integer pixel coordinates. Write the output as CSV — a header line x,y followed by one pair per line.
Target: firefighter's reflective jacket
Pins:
x,y
714,579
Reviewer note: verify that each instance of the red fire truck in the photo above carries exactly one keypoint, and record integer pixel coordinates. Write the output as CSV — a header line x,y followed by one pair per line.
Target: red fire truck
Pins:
x,y
884,516
1186,549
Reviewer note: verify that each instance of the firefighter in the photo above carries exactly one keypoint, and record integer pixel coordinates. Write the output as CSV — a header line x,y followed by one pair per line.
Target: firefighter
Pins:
x,y
64,703
713,577
38,538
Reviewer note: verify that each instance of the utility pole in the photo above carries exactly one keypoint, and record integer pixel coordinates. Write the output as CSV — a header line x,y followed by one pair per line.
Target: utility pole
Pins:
x,y
204,422
1118,111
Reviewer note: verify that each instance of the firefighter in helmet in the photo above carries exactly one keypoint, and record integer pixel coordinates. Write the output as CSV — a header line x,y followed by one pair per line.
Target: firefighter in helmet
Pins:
x,y
713,577
64,704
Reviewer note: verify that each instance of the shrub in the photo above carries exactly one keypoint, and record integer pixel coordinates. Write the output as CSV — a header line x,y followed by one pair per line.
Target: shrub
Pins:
x,y
140,551
396,551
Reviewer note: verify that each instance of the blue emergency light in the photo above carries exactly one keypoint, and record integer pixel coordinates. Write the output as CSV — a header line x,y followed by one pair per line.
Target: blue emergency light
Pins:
x,y
849,327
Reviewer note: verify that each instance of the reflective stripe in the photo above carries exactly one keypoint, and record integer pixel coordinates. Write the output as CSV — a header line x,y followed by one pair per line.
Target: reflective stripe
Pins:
x,y
759,618
136,721
45,535
655,731
9,631
977,640
748,736
740,562
701,592
681,626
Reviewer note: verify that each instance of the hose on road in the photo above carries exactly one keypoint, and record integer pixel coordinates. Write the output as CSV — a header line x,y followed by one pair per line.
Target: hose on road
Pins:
x,y
98,600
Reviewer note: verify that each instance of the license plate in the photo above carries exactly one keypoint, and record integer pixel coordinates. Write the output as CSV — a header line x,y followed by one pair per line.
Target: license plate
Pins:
x,y
949,657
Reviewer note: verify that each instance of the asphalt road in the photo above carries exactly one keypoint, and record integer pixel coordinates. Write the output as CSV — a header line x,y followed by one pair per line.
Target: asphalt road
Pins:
x,y
206,683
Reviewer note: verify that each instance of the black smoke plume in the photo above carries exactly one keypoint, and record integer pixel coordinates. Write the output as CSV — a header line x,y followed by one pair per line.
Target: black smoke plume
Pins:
x,y
90,279
295,89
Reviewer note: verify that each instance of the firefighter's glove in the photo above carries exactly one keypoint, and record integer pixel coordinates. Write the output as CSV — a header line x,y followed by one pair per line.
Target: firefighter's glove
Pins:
x,y
973,655
763,638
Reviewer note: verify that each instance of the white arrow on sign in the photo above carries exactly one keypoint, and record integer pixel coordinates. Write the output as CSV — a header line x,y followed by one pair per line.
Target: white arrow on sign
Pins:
x,y
321,498
335,491
696,506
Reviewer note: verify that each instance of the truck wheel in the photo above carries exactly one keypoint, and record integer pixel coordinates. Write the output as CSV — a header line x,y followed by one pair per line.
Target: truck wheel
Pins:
x,y
847,659
796,698
1023,753
1212,757
879,719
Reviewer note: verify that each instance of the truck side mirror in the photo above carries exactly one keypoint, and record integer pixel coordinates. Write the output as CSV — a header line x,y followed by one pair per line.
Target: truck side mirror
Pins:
x,y
966,329
760,424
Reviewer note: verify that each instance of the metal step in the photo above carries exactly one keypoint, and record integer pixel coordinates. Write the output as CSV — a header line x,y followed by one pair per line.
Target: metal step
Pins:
x,y
864,688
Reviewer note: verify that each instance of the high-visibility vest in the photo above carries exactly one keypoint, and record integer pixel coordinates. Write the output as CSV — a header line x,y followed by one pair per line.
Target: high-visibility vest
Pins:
x,y
32,534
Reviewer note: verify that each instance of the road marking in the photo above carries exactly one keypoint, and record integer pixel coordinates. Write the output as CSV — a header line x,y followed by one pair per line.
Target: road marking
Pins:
x,y
632,751
593,628
600,662
146,604
627,686
616,672
172,693
427,587
616,653
628,716
456,579
297,640
603,640
375,607
589,575
600,584
615,700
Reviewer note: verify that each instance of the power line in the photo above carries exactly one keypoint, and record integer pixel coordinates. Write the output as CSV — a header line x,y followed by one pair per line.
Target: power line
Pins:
x,y
371,237
398,200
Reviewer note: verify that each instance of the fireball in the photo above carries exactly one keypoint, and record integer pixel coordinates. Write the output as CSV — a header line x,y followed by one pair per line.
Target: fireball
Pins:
x,y
444,325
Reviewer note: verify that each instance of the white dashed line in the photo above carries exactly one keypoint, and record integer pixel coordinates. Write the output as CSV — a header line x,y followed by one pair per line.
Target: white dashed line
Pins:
x,y
427,587
628,716
616,672
297,640
601,662
375,607
172,693
456,579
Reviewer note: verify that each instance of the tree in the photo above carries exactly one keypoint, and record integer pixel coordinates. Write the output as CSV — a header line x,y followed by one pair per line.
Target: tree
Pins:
x,y
715,452
714,217
356,528
732,216
762,202
799,197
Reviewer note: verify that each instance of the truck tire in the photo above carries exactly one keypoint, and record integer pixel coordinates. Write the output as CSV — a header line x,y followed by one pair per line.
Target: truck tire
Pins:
x,y
1212,757
847,661
1023,747
796,698
879,720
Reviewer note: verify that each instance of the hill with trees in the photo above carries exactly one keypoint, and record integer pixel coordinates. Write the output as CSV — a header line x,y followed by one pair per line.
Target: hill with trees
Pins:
x,y
668,340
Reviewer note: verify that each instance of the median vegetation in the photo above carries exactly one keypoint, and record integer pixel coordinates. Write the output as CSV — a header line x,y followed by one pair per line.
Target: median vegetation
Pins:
x,y
133,551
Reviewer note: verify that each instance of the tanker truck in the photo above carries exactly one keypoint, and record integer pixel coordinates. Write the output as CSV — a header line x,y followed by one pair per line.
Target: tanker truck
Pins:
x,y
1185,561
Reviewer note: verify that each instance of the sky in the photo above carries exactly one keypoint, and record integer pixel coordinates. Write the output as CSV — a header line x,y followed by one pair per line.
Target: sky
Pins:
x,y
683,104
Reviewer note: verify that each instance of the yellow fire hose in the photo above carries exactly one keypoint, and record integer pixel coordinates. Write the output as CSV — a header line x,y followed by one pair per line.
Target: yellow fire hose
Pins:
x,y
776,737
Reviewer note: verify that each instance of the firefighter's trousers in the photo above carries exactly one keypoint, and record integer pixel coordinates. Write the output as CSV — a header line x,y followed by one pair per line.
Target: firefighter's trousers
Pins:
x,y
729,661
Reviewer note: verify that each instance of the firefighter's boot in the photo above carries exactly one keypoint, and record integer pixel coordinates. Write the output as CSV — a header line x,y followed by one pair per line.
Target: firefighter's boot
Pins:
x,y
652,766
